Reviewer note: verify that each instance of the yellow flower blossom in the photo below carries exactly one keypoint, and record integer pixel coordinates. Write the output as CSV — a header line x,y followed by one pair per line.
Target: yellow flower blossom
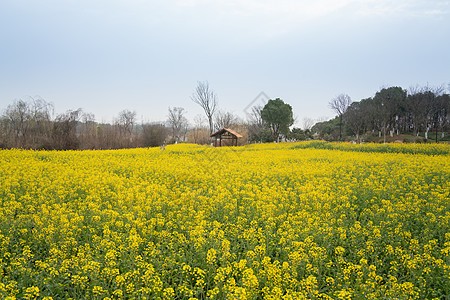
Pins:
x,y
309,220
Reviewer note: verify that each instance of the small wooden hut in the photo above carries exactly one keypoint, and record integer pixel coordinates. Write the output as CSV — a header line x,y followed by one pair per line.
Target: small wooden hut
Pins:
x,y
225,134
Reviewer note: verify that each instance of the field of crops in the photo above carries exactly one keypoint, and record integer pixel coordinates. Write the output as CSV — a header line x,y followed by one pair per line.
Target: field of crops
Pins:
x,y
289,221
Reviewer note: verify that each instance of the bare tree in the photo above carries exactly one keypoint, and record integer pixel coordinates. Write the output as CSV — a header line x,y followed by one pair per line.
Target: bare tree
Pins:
x,y
340,104
200,121
40,123
257,131
3,132
307,123
64,130
126,121
225,120
255,117
88,132
178,122
18,115
125,124
207,99
28,123
107,136
199,134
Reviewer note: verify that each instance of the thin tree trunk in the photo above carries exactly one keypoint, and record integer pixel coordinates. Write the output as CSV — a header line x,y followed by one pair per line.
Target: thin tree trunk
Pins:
x,y
436,134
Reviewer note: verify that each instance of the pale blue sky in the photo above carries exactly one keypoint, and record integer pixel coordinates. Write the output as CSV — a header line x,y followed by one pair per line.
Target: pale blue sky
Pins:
x,y
109,55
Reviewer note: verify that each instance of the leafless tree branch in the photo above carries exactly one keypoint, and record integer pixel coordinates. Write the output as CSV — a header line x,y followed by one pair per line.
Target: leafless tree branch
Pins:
x,y
207,99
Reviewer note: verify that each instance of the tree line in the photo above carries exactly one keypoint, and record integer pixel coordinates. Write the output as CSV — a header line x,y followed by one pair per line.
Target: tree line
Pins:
x,y
393,114
32,125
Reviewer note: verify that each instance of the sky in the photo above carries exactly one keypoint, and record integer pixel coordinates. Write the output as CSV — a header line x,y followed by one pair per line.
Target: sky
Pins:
x,y
105,56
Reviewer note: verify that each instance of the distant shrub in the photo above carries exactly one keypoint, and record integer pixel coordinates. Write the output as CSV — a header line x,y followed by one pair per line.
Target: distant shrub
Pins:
x,y
417,148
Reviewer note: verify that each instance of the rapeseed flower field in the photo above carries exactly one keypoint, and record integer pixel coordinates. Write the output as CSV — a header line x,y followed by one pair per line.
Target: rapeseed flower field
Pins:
x,y
272,221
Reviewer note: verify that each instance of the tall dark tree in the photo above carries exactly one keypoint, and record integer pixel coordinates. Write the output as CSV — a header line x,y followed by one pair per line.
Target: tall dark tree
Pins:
x,y
440,110
354,118
278,117
327,130
340,104
388,102
297,134
419,104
